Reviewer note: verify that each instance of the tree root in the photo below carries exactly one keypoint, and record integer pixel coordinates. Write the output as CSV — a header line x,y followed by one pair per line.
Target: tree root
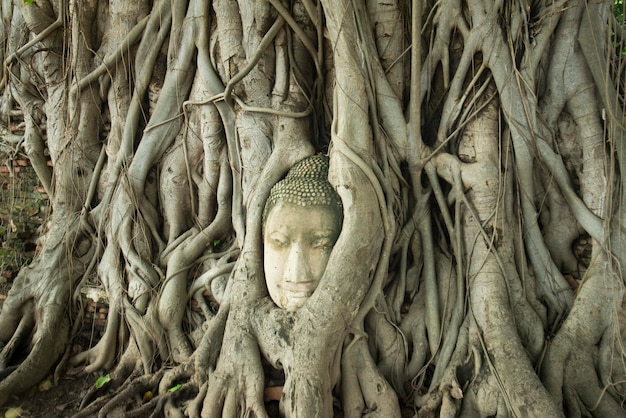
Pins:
x,y
571,372
391,347
236,387
35,315
122,395
143,396
21,333
102,355
439,396
130,384
365,392
49,341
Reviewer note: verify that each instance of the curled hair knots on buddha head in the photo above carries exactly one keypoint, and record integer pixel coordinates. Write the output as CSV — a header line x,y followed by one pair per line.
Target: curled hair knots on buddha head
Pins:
x,y
306,184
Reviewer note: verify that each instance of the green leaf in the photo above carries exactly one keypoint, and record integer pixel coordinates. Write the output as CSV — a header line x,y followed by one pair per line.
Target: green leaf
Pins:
x,y
216,242
28,2
102,380
175,388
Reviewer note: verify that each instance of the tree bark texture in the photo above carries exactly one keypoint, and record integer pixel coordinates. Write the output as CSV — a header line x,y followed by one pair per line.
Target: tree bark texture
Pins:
x,y
477,148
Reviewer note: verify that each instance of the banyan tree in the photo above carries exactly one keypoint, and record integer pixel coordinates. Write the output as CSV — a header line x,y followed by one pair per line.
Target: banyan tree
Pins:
x,y
464,245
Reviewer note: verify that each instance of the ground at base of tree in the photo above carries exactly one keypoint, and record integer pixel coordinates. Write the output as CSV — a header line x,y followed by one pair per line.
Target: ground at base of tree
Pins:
x,y
55,401
63,400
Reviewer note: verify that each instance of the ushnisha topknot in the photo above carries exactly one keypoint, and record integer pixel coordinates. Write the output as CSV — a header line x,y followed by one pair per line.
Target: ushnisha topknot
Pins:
x,y
306,184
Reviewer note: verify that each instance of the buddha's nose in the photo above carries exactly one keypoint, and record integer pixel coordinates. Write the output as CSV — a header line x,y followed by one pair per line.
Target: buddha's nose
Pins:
x,y
296,268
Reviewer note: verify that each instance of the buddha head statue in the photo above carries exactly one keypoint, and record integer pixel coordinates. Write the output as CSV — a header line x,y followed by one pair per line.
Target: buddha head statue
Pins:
x,y
301,223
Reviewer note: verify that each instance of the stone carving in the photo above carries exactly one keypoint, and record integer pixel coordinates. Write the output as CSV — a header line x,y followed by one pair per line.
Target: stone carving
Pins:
x,y
301,223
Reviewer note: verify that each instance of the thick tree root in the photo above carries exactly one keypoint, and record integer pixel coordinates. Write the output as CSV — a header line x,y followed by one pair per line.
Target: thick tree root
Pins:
x,y
236,385
35,315
365,391
49,343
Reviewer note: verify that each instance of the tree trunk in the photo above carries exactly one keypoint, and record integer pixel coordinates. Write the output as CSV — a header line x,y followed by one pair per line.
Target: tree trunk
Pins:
x,y
473,145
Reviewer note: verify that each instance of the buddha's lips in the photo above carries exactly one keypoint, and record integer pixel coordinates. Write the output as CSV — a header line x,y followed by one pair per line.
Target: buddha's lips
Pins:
x,y
299,291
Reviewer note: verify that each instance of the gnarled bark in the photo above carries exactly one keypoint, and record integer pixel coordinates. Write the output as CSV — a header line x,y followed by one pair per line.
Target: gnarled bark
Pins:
x,y
472,144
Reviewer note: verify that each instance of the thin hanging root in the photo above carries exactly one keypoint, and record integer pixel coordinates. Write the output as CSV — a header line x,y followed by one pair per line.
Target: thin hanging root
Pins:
x,y
110,60
205,356
58,23
581,368
391,345
62,367
102,355
265,43
432,401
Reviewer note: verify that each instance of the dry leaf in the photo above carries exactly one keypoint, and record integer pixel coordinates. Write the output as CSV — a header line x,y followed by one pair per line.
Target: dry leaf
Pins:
x,y
14,413
45,385
146,397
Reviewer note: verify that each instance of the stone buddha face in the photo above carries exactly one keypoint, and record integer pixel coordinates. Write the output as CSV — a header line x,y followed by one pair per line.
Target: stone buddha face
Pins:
x,y
302,222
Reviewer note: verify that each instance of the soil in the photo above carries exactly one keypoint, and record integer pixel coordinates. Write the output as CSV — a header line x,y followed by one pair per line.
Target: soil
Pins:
x,y
63,400
49,400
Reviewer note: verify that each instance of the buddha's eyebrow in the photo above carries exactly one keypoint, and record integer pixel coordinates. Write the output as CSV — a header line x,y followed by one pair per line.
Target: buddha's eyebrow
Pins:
x,y
323,233
278,231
